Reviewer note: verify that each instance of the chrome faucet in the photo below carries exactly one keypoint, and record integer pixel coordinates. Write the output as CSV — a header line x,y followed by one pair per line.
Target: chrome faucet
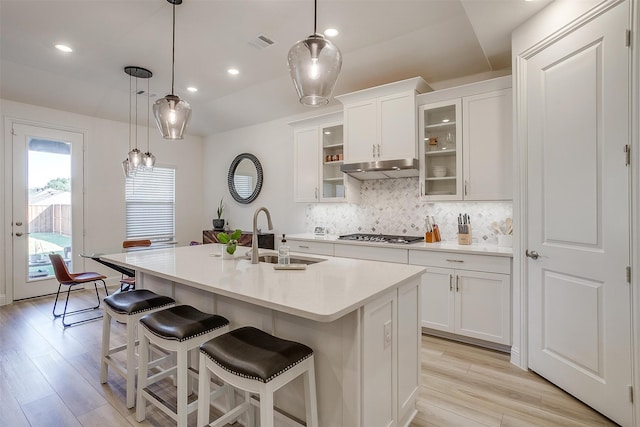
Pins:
x,y
254,238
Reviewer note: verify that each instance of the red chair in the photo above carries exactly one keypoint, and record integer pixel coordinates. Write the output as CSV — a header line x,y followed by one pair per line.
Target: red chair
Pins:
x,y
70,279
129,283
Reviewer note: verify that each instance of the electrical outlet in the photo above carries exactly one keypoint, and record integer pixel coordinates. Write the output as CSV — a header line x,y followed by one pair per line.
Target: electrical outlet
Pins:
x,y
387,334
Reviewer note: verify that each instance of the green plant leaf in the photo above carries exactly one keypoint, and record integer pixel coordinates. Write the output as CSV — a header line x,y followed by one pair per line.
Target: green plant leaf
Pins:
x,y
223,238
231,249
236,234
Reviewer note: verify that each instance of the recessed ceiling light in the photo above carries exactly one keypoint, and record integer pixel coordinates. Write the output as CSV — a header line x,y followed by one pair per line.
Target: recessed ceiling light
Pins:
x,y
331,32
327,132
64,48
233,71
445,121
192,89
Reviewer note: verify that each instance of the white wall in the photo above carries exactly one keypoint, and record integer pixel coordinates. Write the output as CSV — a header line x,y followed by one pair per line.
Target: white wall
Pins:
x,y
106,146
272,144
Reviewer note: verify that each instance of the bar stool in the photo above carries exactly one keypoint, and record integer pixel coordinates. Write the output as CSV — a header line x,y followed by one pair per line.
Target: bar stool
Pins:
x,y
178,329
252,360
127,308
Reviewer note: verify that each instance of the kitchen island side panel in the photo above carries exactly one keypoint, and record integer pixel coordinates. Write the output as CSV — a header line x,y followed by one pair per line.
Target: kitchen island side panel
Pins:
x,y
335,345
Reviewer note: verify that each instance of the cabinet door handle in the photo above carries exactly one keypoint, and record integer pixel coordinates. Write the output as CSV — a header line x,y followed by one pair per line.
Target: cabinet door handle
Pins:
x,y
450,282
457,283
455,260
303,246
316,193
378,150
465,187
373,150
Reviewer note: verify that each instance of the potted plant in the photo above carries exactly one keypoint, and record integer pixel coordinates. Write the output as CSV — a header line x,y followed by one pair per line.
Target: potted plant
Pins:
x,y
218,224
231,243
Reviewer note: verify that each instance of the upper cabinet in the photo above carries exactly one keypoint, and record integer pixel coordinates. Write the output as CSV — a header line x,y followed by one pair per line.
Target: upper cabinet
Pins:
x,y
465,142
380,123
318,154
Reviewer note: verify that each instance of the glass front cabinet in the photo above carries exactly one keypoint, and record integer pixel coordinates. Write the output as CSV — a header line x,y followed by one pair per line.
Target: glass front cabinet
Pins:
x,y
332,179
440,146
318,154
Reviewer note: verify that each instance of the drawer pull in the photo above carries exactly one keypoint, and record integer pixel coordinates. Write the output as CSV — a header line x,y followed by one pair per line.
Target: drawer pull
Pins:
x,y
303,246
450,282
457,283
455,260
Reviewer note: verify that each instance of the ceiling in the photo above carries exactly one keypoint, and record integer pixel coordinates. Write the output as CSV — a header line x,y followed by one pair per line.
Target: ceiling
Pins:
x,y
381,41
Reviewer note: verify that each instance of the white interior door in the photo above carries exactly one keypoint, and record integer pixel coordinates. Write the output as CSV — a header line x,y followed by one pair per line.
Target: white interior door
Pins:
x,y
47,206
577,96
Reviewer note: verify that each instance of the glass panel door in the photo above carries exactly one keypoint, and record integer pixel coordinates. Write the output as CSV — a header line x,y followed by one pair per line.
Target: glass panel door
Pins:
x,y
441,151
47,206
332,158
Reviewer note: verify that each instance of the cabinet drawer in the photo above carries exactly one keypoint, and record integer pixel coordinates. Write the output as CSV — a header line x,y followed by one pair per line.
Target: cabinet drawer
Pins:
x,y
488,263
320,248
372,253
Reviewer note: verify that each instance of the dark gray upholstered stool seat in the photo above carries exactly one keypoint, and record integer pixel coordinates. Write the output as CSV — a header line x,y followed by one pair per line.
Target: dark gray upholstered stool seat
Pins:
x,y
137,301
127,308
251,353
180,329
182,322
256,362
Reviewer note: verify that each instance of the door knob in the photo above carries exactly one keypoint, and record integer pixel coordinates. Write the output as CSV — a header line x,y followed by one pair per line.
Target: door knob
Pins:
x,y
532,254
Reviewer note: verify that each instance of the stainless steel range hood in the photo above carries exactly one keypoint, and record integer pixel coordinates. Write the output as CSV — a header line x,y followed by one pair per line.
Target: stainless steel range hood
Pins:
x,y
382,169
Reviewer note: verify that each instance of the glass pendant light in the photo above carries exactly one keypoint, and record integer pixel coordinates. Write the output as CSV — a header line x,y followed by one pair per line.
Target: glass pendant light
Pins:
x,y
172,113
148,159
314,65
135,157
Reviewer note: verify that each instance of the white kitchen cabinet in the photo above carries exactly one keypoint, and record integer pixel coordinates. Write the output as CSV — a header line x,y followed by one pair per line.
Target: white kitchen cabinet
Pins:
x,y
466,142
380,123
306,164
464,301
318,154
320,248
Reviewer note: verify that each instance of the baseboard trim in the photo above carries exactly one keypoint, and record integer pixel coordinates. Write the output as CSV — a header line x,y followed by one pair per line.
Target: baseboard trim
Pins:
x,y
3,299
467,340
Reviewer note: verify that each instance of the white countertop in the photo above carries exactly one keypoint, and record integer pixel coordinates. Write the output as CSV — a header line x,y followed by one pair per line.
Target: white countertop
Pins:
x,y
450,246
324,292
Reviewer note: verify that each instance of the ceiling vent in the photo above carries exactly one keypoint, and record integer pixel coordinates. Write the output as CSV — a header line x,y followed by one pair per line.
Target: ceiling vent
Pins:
x,y
261,42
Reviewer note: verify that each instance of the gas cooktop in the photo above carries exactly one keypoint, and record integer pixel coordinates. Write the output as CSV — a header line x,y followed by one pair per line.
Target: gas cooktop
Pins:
x,y
381,238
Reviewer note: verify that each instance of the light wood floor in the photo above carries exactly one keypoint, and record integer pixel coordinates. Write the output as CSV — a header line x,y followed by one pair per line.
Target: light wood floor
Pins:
x,y
50,376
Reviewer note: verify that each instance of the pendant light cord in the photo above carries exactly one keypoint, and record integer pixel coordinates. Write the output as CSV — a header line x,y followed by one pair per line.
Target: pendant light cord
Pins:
x,y
130,77
173,48
315,16
136,113
148,102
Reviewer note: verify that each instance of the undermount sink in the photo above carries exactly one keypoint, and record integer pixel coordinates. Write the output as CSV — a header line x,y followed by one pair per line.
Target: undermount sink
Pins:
x,y
273,259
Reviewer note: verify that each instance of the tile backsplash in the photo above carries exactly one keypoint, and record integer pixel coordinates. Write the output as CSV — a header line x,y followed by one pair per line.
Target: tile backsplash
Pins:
x,y
393,206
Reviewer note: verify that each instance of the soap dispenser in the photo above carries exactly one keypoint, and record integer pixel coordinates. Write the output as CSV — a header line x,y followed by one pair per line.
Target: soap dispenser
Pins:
x,y
283,252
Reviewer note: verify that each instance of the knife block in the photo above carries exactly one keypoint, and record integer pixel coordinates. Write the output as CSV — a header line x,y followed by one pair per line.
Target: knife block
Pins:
x,y
465,239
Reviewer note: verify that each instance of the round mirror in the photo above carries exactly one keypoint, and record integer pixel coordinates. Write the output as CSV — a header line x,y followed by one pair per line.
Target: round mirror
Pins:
x,y
245,178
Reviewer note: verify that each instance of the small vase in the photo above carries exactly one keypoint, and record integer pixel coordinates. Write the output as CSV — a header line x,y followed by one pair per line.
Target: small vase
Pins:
x,y
228,251
218,224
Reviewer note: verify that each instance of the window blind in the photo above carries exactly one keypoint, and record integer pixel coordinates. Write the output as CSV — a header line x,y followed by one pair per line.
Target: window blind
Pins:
x,y
150,204
243,185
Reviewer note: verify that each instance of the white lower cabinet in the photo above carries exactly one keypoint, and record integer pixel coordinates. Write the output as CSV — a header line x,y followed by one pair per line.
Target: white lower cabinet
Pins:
x,y
470,303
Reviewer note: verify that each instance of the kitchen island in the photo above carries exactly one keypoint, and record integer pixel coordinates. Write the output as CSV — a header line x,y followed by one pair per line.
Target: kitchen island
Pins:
x,y
360,317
